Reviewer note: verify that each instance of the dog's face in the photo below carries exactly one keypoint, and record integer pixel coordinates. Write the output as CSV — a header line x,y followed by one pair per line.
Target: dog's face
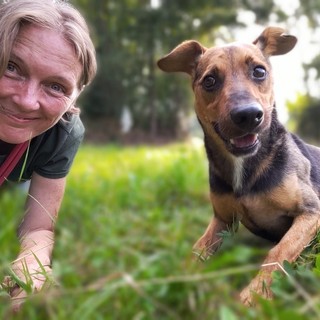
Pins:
x,y
234,96
233,87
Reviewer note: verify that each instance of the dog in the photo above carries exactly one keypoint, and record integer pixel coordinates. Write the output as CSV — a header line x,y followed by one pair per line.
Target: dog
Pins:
x,y
260,174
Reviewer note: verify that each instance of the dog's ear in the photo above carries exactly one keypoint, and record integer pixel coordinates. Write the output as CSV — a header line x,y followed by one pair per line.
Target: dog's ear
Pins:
x,y
183,58
274,41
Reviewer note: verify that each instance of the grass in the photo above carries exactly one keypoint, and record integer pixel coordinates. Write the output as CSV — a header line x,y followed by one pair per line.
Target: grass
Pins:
x,y
124,239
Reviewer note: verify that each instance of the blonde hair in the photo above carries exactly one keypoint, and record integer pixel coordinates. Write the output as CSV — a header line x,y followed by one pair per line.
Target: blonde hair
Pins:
x,y
54,14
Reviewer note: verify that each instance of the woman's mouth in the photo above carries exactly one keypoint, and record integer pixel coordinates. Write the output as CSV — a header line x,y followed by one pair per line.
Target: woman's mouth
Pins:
x,y
16,117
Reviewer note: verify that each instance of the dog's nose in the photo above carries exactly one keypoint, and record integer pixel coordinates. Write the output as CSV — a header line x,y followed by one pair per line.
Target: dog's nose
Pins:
x,y
247,117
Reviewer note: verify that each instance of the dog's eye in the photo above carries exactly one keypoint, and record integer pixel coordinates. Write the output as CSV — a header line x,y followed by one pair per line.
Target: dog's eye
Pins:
x,y
208,83
259,73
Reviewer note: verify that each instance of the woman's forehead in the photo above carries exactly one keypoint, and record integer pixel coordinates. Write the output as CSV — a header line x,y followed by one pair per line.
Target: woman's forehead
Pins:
x,y
47,48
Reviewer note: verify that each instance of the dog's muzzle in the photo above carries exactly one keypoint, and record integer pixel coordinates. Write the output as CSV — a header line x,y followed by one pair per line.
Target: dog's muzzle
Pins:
x,y
241,133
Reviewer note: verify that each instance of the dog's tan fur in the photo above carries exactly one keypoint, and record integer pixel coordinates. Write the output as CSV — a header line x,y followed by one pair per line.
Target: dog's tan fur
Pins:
x,y
260,175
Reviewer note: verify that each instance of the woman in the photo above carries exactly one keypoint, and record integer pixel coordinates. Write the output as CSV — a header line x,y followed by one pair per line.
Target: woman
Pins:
x,y
46,59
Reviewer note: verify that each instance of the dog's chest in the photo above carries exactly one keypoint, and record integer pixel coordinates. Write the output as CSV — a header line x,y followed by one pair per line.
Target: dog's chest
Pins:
x,y
263,213
266,214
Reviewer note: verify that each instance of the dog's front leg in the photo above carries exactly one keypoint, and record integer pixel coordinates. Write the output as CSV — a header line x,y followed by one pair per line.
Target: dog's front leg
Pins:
x,y
298,237
211,240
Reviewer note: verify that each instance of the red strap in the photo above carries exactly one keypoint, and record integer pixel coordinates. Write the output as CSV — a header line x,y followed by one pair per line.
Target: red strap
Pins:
x,y
12,160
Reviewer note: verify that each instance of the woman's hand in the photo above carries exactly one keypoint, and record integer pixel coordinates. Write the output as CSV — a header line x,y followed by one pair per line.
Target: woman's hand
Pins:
x,y
31,271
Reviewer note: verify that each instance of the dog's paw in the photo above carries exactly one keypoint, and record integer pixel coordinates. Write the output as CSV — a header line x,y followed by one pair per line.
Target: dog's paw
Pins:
x,y
200,255
204,249
246,297
259,286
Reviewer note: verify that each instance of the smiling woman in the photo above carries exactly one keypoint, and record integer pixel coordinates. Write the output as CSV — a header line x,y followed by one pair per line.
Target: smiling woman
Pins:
x,y
39,85
46,59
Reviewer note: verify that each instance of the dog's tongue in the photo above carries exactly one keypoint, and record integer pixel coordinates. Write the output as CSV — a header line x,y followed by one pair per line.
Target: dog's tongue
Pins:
x,y
244,141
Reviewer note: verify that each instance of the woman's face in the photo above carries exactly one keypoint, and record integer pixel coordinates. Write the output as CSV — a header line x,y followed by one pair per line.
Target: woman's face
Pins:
x,y
39,85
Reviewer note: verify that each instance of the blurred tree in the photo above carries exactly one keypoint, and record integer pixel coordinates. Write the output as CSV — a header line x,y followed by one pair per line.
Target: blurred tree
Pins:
x,y
311,10
130,35
305,115
305,111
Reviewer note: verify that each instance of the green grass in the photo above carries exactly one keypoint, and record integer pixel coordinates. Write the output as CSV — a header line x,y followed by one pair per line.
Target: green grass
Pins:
x,y
124,240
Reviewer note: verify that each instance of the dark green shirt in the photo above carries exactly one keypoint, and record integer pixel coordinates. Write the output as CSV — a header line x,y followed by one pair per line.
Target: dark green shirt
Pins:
x,y
51,154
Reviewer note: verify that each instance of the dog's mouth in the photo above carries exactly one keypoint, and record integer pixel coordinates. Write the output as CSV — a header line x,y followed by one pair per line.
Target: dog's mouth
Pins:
x,y
246,144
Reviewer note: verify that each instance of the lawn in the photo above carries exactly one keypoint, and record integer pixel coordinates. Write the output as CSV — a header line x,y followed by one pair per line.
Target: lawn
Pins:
x,y
124,245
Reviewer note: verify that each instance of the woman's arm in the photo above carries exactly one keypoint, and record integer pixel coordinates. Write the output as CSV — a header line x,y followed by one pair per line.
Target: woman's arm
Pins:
x,y
36,232
42,205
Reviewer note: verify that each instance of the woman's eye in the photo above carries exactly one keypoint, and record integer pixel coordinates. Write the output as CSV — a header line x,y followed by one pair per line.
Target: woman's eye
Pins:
x,y
259,73
11,67
208,83
56,87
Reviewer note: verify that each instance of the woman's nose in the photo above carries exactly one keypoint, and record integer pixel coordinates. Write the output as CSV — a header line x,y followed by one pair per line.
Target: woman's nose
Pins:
x,y
27,97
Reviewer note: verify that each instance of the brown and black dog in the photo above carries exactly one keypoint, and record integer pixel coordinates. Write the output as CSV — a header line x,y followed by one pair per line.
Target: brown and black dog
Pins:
x,y
260,174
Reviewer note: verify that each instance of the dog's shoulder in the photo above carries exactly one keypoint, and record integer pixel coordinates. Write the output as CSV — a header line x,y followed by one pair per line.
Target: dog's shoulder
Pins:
x,y
312,153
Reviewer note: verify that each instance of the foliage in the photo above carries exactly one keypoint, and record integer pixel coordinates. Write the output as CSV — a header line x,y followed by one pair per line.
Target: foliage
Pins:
x,y
305,110
130,36
311,10
124,239
307,124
